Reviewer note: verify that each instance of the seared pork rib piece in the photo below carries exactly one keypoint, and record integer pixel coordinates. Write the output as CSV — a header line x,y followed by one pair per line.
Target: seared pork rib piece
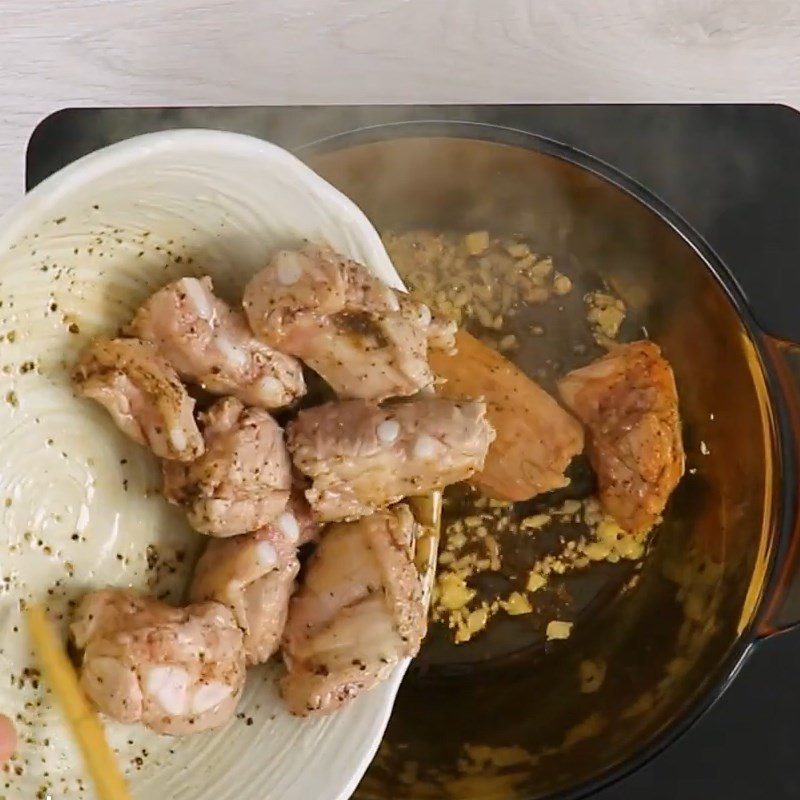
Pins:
x,y
536,438
358,612
243,479
361,456
143,394
364,338
629,403
211,344
176,670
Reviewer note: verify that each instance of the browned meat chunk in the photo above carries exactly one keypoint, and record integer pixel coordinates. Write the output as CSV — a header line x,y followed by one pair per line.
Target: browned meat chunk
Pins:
x,y
629,404
536,439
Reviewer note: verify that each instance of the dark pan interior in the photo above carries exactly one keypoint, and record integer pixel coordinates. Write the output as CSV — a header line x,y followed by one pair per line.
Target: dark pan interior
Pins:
x,y
504,716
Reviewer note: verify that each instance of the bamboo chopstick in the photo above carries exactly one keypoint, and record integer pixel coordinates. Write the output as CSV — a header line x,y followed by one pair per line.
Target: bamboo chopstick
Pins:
x,y
86,727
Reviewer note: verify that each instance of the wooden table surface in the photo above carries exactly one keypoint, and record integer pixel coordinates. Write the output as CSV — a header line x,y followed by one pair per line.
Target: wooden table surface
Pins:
x,y
56,53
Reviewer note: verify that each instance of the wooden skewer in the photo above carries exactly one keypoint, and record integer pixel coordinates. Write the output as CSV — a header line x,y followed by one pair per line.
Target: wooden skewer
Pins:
x,y
86,727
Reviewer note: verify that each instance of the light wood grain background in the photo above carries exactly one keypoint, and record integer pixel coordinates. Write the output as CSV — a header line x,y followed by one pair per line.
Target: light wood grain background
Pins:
x,y
55,53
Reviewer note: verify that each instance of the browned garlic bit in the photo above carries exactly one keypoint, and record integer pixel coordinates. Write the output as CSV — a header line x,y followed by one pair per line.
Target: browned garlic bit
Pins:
x,y
605,313
475,277
470,546
592,674
558,629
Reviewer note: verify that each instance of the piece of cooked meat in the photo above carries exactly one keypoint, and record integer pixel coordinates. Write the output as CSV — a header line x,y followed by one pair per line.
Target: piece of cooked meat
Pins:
x,y
629,404
361,456
175,670
536,438
243,479
358,611
143,394
254,575
298,515
211,344
364,338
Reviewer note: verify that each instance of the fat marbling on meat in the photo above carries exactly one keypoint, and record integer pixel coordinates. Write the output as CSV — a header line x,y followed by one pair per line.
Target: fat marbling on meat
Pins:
x,y
364,338
361,456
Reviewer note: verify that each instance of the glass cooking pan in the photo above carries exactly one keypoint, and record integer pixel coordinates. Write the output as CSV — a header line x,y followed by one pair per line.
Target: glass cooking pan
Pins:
x,y
509,715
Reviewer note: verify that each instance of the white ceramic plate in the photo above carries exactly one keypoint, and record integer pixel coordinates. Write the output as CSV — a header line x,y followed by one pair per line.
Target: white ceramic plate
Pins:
x,y
78,501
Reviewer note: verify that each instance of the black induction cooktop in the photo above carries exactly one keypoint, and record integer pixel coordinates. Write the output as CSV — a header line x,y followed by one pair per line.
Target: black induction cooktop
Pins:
x,y
733,173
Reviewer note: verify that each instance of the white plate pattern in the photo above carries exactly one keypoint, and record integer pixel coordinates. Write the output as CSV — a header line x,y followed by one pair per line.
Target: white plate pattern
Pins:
x,y
79,503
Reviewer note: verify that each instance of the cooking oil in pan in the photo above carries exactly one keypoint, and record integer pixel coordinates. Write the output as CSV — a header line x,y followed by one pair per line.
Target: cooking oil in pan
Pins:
x,y
513,577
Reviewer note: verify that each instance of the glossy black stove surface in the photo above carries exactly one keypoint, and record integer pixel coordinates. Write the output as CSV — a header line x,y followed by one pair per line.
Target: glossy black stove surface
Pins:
x,y
733,173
